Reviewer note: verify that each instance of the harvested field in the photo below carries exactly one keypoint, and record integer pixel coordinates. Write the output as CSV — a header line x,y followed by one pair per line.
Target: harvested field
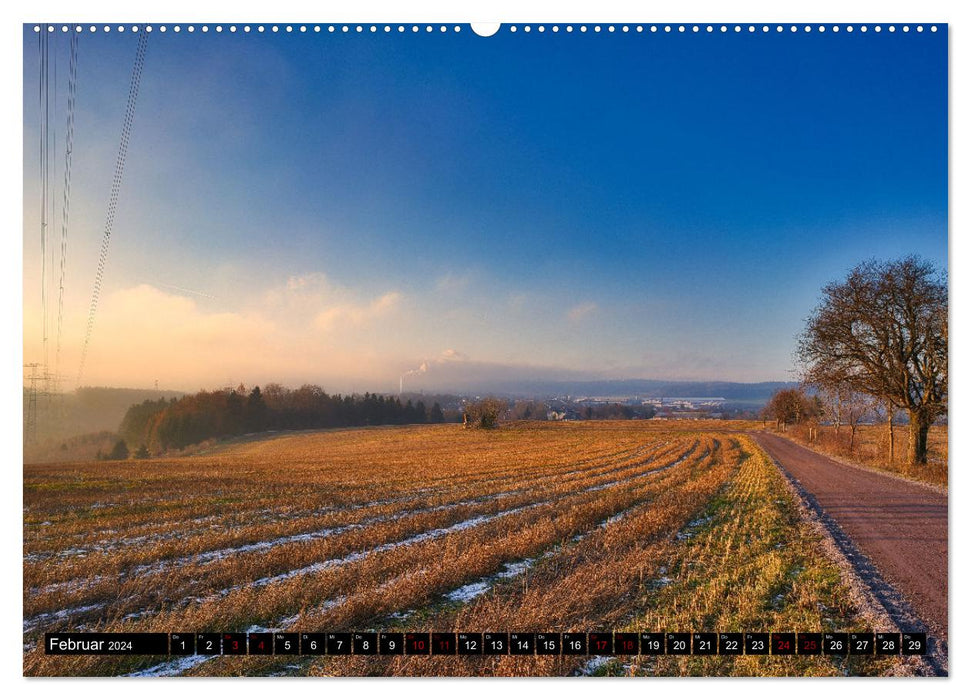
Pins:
x,y
536,526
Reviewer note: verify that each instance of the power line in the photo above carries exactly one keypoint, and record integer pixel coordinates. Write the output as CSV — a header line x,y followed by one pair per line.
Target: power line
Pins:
x,y
72,88
43,113
52,153
43,48
30,404
113,195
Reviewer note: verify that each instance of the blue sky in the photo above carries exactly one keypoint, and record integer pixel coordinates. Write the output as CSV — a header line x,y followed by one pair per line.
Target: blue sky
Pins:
x,y
344,208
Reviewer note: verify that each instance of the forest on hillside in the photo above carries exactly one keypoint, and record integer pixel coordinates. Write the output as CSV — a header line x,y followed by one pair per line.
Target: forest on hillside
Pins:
x,y
166,424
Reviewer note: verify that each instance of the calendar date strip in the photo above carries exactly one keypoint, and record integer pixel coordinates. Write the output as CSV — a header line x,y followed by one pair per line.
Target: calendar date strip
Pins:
x,y
490,643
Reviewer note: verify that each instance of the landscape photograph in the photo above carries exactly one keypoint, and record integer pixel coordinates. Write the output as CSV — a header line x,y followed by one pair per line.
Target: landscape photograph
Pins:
x,y
450,350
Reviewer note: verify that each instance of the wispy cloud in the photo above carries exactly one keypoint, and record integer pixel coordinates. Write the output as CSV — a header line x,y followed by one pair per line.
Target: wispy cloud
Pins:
x,y
582,311
355,314
453,355
312,299
348,338
144,333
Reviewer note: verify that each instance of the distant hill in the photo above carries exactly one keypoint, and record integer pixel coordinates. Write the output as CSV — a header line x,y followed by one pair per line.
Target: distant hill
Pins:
x,y
99,410
89,410
732,392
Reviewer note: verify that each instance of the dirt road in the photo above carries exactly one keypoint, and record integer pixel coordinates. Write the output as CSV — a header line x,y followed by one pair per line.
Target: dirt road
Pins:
x,y
901,527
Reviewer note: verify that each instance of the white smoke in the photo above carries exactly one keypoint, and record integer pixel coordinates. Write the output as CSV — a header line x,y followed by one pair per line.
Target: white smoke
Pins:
x,y
421,369
449,355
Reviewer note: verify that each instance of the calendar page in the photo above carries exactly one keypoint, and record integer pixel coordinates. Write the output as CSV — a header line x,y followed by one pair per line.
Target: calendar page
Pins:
x,y
514,349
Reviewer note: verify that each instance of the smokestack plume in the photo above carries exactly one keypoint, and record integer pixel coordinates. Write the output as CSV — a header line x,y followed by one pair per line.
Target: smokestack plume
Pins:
x,y
421,369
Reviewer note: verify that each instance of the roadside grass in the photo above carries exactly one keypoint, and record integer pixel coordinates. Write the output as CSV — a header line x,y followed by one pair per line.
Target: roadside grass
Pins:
x,y
753,566
870,449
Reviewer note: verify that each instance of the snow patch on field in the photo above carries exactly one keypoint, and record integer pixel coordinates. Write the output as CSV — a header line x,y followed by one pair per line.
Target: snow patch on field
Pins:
x,y
401,615
108,546
691,529
615,517
74,585
355,556
58,615
358,556
288,622
468,592
515,568
171,668
593,665
471,591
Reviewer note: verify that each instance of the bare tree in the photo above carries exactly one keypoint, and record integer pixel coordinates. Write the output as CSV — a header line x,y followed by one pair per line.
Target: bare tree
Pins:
x,y
856,407
528,410
791,406
841,405
884,332
832,398
484,413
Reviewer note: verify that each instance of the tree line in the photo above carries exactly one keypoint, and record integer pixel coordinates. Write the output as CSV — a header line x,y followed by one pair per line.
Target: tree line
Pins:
x,y
836,406
164,424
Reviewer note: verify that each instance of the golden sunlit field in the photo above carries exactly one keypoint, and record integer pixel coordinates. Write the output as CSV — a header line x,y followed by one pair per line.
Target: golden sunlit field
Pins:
x,y
591,526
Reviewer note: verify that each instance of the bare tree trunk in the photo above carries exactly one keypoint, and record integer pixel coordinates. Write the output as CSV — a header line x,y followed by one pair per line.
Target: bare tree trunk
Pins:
x,y
919,426
852,436
890,434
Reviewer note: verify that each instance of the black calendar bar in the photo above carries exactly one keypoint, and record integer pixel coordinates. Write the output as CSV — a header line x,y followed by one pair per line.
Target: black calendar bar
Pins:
x,y
470,643
444,643
418,643
809,643
84,643
182,643
286,643
767,644
601,643
731,643
575,643
548,644
391,643
862,643
626,643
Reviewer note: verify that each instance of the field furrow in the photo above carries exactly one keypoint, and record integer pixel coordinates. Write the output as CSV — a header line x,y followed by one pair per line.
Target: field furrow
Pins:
x,y
218,577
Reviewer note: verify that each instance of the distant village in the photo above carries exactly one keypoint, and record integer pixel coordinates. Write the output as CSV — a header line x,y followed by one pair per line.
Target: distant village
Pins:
x,y
675,407
575,408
